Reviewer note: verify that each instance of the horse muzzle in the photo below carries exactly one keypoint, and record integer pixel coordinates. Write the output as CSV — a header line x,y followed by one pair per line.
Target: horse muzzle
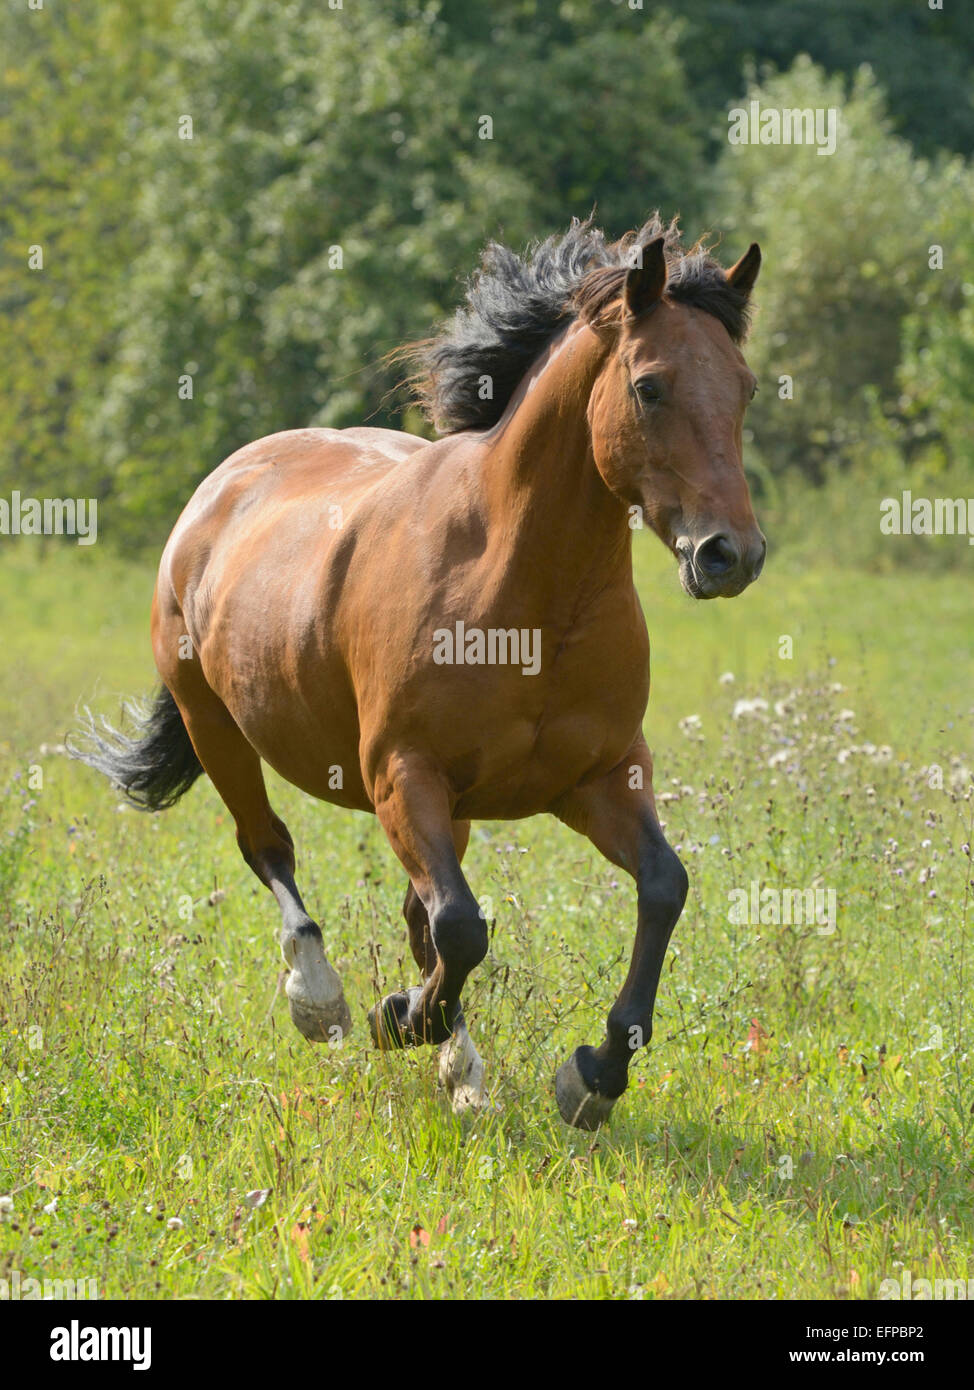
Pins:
x,y
721,565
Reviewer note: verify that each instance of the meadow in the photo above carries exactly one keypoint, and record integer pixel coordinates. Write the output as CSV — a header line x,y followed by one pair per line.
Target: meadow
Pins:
x,y
800,1126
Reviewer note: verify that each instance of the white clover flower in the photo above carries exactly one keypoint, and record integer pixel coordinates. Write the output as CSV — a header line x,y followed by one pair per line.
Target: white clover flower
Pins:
x,y
755,706
727,678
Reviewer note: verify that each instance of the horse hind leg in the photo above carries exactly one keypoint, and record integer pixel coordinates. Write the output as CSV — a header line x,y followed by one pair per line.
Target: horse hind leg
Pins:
x,y
314,990
461,1069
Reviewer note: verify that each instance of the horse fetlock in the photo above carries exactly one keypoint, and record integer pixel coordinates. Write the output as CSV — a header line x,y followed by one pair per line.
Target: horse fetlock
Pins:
x,y
433,1022
627,1031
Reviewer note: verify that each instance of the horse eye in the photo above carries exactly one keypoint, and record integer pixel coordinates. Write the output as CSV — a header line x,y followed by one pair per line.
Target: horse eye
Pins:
x,y
754,390
649,390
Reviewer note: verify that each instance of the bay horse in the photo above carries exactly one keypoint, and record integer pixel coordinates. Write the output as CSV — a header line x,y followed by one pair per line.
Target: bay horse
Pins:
x,y
447,630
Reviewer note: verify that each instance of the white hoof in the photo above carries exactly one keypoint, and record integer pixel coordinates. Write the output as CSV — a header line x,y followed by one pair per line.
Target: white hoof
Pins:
x,y
314,991
462,1073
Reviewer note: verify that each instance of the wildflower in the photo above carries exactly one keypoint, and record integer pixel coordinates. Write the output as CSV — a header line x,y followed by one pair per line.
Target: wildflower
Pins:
x,y
755,706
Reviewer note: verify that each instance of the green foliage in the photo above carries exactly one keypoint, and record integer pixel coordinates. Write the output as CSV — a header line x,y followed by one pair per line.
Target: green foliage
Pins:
x,y
199,292
936,373
74,80
922,57
846,236
344,134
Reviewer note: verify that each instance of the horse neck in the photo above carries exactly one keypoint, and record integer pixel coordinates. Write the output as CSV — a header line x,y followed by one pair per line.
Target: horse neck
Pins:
x,y
561,528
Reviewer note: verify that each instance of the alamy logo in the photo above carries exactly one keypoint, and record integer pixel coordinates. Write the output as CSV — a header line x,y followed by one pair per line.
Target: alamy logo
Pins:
x,y
16,1289
756,906
495,646
919,516
50,516
77,1343
926,1290
750,125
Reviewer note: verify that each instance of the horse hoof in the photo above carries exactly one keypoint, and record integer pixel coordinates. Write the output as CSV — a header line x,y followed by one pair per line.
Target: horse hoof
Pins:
x,y
389,1022
319,1025
578,1105
461,1074
314,991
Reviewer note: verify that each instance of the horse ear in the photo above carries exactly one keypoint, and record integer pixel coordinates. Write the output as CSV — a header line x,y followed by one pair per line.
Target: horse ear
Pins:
x,y
743,275
646,282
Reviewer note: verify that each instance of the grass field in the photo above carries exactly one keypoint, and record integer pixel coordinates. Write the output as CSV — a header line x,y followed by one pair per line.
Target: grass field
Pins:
x,y
800,1126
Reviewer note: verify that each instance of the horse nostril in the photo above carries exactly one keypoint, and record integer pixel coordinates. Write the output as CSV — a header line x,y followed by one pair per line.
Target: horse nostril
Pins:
x,y
759,563
716,556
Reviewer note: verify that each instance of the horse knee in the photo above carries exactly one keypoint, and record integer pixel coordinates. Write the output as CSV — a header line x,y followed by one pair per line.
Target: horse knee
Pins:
x,y
663,884
459,935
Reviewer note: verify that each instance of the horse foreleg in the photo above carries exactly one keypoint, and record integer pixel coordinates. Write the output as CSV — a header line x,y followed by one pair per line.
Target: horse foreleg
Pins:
x,y
413,808
621,822
461,1070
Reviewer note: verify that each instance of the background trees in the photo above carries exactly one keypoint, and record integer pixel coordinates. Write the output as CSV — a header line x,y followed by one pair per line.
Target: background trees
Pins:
x,y
242,208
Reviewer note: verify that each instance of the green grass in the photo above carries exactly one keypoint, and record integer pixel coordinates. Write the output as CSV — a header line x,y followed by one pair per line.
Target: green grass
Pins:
x,y
800,1126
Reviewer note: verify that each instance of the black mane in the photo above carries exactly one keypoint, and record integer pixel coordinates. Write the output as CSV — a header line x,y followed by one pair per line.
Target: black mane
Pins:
x,y
515,305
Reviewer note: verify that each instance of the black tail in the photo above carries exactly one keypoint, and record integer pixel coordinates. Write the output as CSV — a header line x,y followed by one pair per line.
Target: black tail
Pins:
x,y
155,767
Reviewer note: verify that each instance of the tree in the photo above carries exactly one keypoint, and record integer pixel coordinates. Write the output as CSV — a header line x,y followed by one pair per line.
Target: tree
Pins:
x,y
74,83
922,57
936,375
845,238
336,177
